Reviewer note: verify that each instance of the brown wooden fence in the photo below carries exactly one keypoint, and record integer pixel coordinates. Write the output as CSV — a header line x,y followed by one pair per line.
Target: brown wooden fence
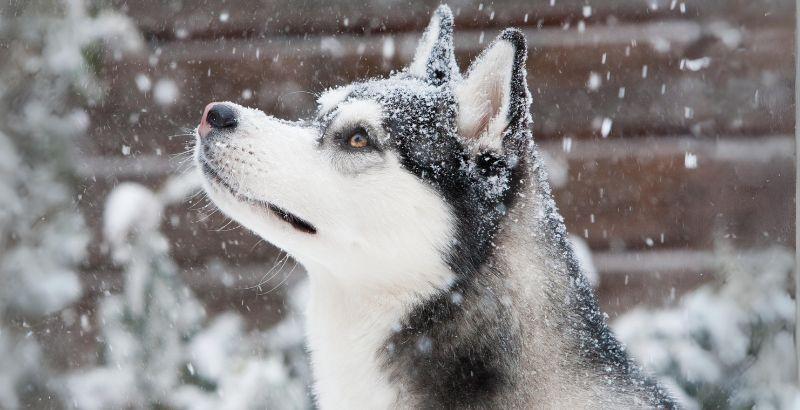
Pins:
x,y
699,96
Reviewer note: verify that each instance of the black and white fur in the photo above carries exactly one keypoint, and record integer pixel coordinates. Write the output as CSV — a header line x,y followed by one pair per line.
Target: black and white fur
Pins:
x,y
441,273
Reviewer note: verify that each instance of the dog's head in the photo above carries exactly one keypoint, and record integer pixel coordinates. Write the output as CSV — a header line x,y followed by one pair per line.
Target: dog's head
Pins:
x,y
395,179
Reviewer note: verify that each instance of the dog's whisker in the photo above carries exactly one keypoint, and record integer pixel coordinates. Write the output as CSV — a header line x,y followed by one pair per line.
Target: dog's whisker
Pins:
x,y
226,225
199,201
197,194
258,242
265,278
286,278
185,154
314,94
206,217
275,272
275,262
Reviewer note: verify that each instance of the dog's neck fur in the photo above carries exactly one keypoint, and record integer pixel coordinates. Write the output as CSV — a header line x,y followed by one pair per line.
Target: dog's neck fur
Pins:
x,y
528,328
346,329
351,331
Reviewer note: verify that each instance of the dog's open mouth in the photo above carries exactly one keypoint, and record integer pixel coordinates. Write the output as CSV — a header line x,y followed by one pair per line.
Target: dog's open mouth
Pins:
x,y
295,221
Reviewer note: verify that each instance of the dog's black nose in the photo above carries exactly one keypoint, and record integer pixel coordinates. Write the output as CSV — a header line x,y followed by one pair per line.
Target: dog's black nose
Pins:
x,y
221,116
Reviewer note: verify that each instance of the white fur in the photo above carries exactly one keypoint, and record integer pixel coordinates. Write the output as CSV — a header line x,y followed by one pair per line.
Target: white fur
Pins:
x,y
484,97
358,112
346,327
380,236
331,98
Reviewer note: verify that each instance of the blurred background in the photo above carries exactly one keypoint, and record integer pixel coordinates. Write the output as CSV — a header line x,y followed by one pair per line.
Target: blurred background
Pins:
x,y
667,127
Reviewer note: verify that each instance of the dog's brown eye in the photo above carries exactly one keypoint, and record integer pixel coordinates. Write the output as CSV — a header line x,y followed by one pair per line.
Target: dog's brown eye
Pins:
x,y
358,138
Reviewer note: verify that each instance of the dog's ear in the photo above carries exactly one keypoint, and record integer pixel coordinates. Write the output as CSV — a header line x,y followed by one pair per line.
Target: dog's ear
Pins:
x,y
493,99
435,60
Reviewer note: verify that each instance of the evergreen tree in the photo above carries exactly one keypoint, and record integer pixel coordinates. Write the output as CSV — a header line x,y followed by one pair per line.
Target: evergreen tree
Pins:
x,y
47,59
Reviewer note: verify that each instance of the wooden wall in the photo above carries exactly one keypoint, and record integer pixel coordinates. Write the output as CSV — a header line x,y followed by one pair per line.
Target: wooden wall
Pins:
x,y
699,95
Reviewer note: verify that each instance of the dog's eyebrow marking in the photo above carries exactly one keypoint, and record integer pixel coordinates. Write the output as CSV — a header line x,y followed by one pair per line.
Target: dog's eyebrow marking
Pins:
x,y
357,112
331,98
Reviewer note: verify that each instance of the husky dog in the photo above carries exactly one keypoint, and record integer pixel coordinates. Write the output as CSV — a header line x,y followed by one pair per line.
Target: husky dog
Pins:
x,y
440,271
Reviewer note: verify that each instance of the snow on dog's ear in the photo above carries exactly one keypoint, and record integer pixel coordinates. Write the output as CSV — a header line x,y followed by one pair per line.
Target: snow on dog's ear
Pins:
x,y
493,99
435,61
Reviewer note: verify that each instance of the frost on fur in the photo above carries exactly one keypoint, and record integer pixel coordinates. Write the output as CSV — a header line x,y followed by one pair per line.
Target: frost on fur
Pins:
x,y
494,97
435,60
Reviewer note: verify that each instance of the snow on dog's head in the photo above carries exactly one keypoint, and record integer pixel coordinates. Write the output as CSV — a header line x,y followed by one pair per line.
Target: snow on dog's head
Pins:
x,y
395,179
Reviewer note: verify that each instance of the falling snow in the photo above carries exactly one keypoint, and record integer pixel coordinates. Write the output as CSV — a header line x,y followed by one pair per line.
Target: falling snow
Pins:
x,y
143,82
102,308
696,64
388,48
165,92
605,127
690,160
733,335
594,81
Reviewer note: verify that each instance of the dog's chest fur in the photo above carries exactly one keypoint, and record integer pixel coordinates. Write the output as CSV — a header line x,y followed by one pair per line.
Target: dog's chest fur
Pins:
x,y
348,328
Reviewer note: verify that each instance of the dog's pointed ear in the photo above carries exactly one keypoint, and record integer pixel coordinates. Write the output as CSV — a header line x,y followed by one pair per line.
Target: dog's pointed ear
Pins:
x,y
435,60
493,99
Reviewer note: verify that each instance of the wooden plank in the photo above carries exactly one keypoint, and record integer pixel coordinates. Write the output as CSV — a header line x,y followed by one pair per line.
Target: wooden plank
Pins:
x,y
620,195
627,279
651,277
680,193
619,293
253,18
643,83
657,278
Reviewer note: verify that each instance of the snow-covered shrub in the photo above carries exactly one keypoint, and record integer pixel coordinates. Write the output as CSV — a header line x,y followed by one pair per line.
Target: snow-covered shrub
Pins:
x,y
246,370
728,344
158,348
144,329
45,75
